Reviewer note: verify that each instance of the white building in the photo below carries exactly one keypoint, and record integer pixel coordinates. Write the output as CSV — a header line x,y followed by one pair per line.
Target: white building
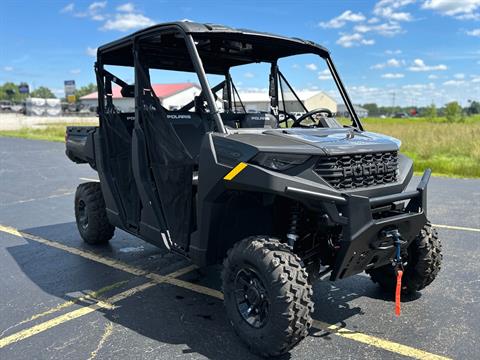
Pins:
x,y
343,112
260,101
171,96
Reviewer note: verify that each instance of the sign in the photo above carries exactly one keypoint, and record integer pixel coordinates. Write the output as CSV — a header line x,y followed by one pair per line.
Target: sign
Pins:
x,y
23,89
70,90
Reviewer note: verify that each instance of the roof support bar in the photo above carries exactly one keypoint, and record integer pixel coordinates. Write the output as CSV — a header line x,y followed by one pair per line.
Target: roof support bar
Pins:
x,y
202,77
343,92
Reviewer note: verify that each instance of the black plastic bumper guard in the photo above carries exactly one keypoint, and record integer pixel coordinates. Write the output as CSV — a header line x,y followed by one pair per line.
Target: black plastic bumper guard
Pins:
x,y
362,246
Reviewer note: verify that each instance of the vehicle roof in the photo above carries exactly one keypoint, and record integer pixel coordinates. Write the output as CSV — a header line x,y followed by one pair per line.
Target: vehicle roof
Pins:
x,y
264,47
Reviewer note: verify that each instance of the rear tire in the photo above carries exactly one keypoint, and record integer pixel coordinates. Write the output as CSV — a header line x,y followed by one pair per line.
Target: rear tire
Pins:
x,y
263,275
424,263
91,215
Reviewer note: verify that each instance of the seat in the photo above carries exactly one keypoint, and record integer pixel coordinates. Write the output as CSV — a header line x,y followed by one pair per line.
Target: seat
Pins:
x,y
190,128
250,120
259,120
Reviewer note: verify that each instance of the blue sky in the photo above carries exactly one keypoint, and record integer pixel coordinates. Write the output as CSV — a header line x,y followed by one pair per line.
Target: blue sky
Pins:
x,y
419,50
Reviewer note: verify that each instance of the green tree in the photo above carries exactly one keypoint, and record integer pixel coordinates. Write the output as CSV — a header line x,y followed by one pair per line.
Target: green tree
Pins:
x,y
9,91
42,92
430,112
474,107
453,111
372,109
85,90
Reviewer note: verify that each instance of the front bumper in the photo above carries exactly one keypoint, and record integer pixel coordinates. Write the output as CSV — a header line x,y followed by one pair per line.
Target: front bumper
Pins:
x,y
364,219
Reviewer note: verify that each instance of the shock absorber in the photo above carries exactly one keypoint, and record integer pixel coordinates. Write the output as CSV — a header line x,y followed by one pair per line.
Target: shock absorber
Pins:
x,y
293,230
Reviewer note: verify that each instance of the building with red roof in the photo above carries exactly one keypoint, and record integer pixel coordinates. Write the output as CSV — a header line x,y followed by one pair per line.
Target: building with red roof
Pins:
x,y
171,96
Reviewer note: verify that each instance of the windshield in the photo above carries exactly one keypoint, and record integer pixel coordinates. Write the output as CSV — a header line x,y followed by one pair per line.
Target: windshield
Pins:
x,y
299,91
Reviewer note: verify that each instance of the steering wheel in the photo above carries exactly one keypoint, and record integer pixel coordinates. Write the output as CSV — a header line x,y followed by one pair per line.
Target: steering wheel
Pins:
x,y
286,116
310,114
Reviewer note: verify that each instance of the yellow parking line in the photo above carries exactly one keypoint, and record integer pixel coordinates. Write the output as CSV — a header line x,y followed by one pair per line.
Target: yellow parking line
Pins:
x,y
116,264
337,330
106,334
99,304
72,250
196,288
377,342
451,227
90,296
107,303
171,279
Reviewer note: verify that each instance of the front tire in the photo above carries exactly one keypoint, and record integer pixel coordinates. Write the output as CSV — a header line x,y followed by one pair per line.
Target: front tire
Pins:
x,y
424,263
267,295
91,214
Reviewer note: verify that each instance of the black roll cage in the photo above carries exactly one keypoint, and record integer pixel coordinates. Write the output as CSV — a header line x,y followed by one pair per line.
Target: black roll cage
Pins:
x,y
184,31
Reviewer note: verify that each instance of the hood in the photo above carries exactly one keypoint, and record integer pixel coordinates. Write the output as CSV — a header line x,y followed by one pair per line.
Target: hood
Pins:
x,y
341,141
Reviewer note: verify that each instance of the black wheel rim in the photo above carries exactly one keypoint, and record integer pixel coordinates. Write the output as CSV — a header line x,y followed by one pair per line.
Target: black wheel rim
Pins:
x,y
251,297
82,215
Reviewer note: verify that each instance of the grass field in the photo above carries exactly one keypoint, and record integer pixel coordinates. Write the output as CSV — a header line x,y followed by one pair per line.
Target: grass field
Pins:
x,y
451,149
51,132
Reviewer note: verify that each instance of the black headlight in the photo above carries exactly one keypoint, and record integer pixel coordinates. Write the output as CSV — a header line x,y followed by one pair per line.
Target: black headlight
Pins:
x,y
279,162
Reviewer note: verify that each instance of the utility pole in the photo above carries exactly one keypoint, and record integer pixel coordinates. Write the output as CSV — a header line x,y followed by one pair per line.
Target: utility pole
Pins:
x,y
393,102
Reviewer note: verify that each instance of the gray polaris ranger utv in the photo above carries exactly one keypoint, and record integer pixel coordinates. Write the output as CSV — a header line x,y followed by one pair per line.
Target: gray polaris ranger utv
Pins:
x,y
281,196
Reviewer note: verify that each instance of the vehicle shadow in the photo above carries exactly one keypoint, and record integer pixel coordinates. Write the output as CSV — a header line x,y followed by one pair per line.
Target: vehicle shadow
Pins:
x,y
194,322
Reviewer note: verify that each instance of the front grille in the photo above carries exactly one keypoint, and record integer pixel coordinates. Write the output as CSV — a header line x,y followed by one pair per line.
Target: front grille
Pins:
x,y
358,170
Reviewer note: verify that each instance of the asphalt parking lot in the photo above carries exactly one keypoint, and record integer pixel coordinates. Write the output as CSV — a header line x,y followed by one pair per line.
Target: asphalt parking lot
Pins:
x,y
60,298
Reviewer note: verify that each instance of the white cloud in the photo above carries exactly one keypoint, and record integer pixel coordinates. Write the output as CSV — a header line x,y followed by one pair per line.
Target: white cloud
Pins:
x,y
419,65
8,68
394,62
474,32
312,67
463,10
385,29
75,71
249,75
341,20
350,40
69,8
128,21
393,52
393,76
97,5
127,7
389,63
454,82
324,75
476,78
91,51
414,86
389,9
417,94
97,17
459,76
432,76
93,11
